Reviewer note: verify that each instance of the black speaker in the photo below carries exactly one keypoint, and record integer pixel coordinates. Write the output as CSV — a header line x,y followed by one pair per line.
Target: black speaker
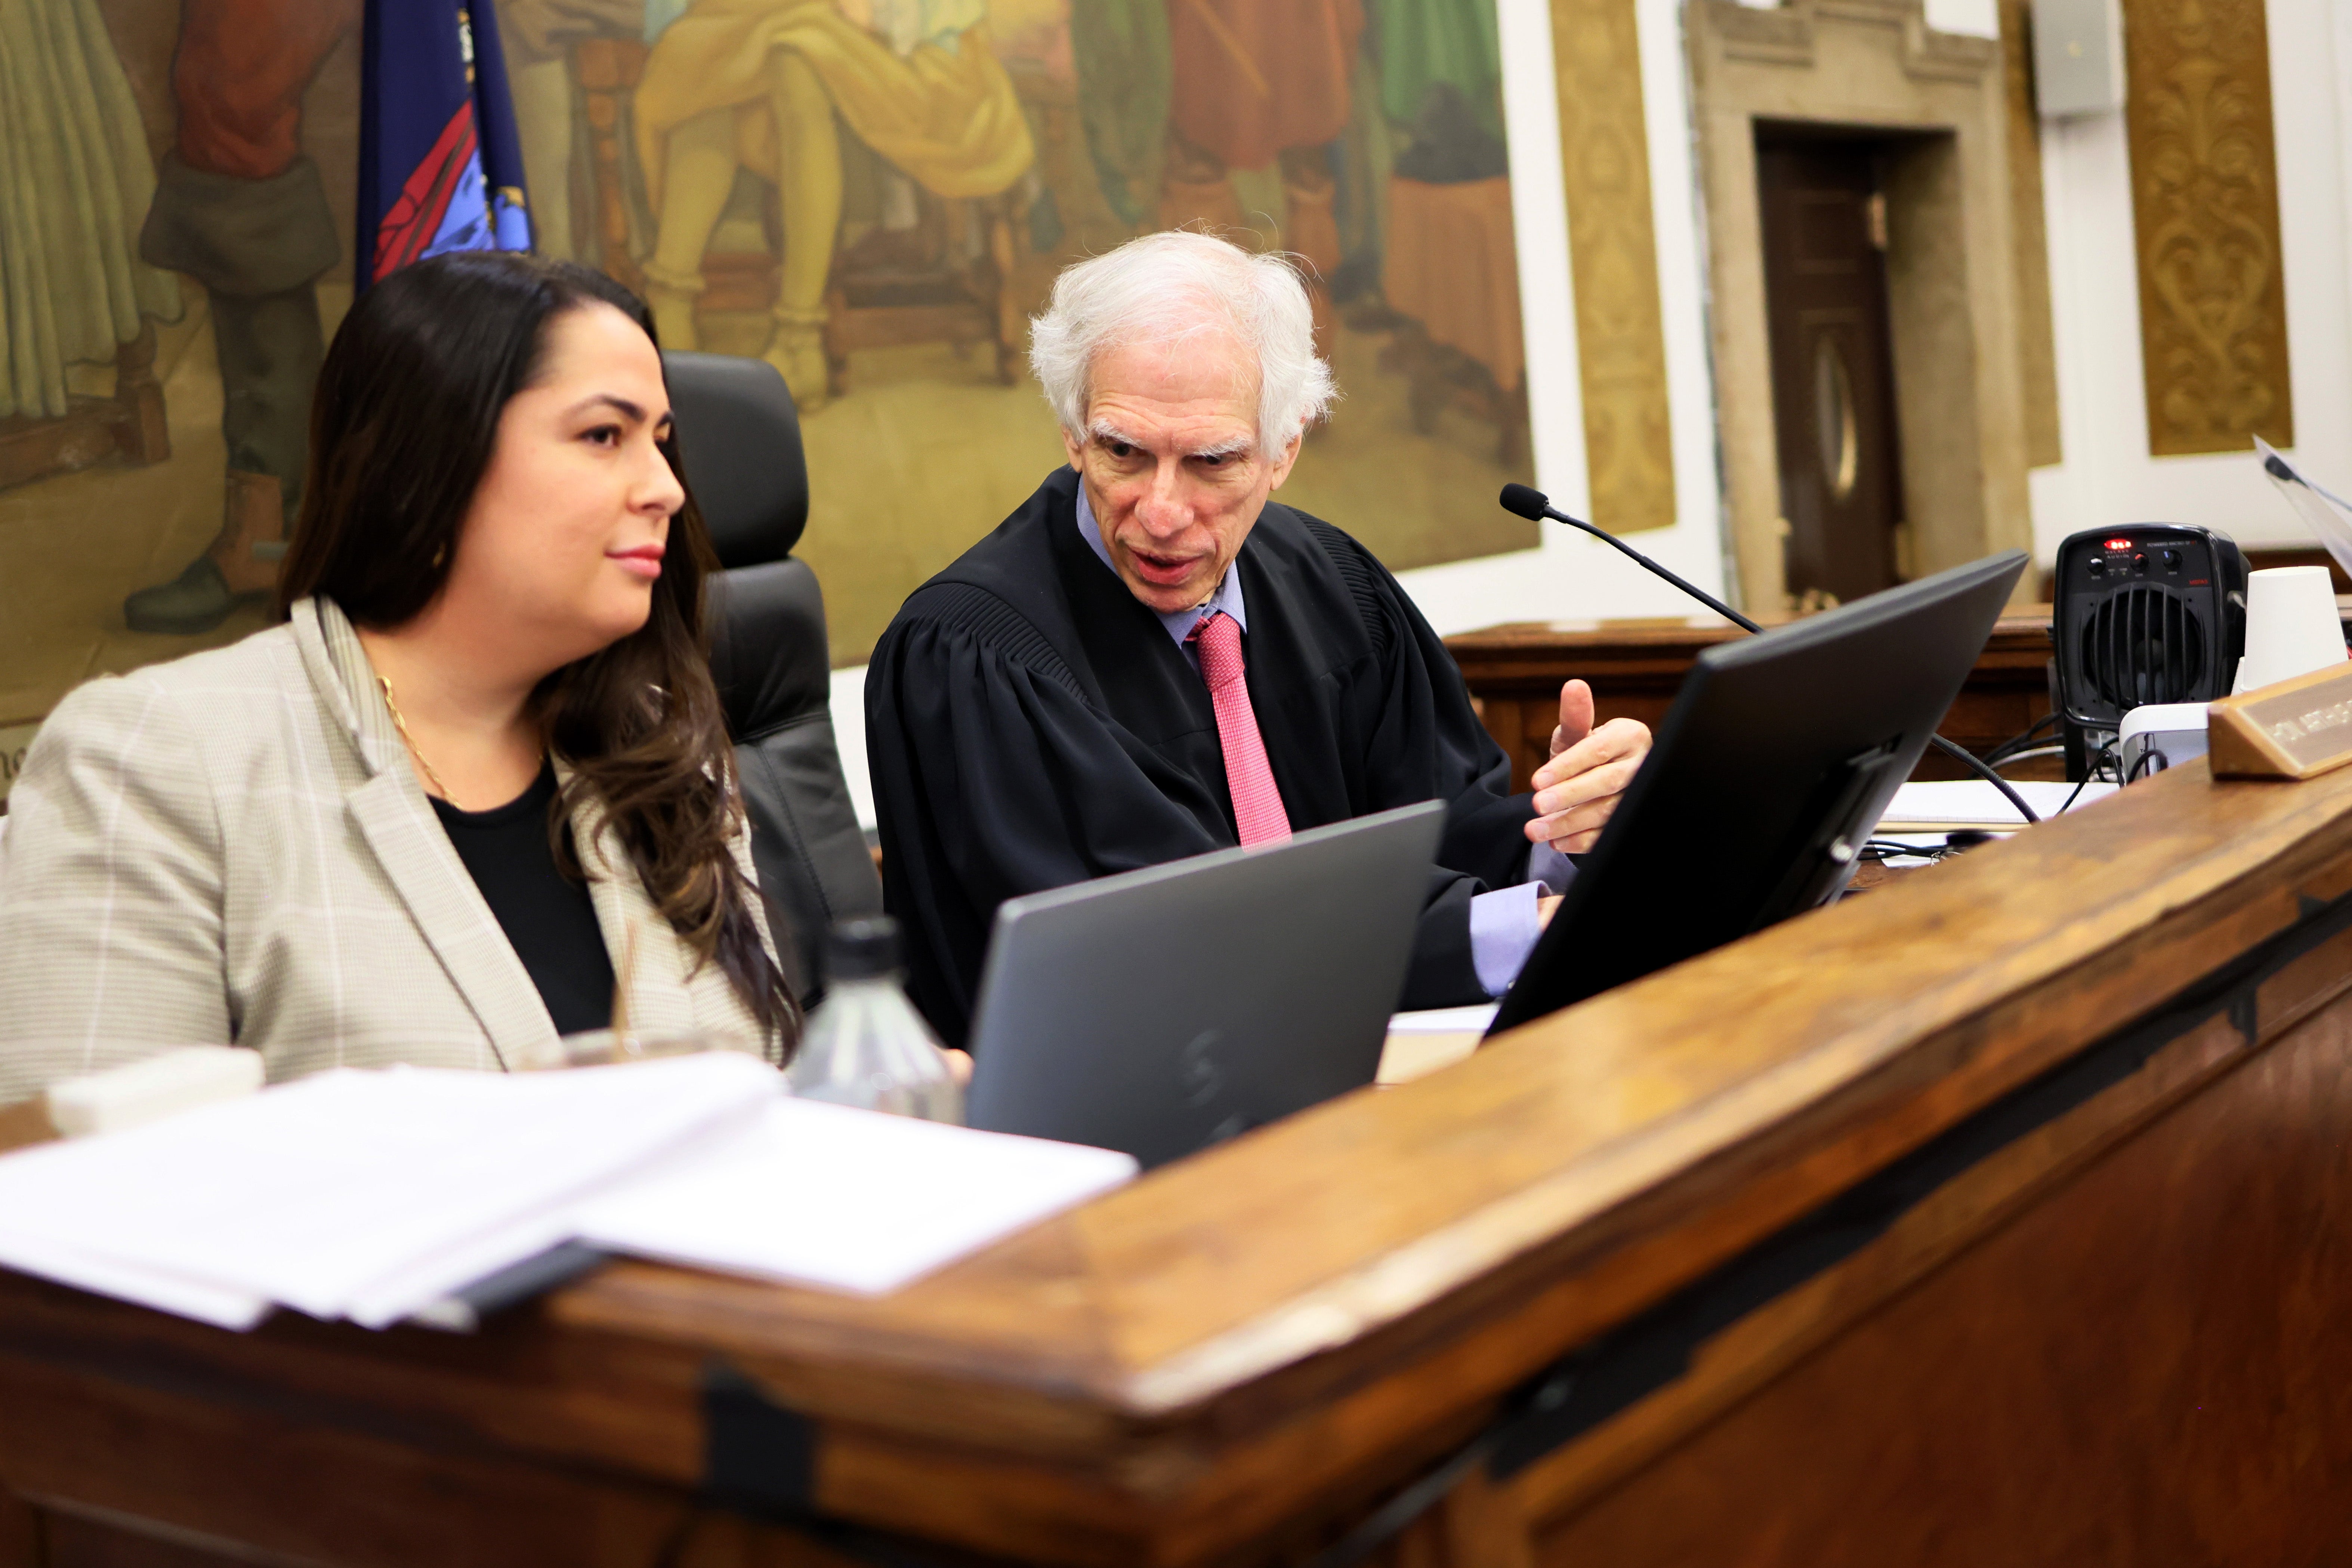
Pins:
x,y
2150,612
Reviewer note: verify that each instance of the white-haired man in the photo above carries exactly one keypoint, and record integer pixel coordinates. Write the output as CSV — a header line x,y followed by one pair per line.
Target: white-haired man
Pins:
x,y
1149,660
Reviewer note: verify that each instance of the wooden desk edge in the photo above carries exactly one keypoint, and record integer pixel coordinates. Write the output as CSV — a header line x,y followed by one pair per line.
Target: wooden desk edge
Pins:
x,y
1386,1287
1701,1182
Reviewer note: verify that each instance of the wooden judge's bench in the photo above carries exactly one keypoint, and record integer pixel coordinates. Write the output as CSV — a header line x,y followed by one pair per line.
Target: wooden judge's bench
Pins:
x,y
1636,667
2003,1215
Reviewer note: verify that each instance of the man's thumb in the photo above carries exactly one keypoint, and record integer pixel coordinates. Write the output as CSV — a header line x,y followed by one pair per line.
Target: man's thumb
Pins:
x,y
1575,712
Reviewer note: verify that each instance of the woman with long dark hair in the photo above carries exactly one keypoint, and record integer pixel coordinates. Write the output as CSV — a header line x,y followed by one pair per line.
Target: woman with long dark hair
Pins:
x,y
476,792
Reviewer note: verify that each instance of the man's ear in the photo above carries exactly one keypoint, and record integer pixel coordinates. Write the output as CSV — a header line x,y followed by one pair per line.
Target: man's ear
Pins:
x,y
1282,465
1076,446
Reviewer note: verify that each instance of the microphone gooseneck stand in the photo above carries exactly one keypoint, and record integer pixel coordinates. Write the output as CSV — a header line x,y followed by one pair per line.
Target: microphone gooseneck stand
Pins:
x,y
1535,506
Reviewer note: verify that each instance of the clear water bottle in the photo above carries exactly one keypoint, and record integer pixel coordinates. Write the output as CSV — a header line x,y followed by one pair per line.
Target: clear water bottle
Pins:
x,y
865,1044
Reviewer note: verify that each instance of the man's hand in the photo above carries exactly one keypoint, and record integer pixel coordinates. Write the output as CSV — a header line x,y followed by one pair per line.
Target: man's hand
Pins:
x,y
959,1066
1578,788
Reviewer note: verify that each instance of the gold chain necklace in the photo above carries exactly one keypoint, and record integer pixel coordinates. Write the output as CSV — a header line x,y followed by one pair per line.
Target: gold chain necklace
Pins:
x,y
400,724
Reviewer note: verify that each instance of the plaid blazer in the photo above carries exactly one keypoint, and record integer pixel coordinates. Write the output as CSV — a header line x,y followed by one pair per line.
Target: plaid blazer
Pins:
x,y
232,848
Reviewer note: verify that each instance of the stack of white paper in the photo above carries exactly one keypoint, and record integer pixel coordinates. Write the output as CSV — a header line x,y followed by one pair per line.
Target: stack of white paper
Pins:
x,y
369,1195
353,1194
1974,802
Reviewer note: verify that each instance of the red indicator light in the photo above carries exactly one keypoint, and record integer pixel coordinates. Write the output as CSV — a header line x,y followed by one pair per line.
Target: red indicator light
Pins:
x,y
2119,544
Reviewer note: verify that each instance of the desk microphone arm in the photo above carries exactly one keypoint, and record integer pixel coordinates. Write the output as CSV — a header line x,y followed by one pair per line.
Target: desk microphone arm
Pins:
x,y
1535,506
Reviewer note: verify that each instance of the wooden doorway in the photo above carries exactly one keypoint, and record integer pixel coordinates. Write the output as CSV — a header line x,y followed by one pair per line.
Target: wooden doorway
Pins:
x,y
1823,210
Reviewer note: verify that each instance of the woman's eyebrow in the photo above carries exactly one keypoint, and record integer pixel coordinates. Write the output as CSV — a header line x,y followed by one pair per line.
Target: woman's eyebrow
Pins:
x,y
632,412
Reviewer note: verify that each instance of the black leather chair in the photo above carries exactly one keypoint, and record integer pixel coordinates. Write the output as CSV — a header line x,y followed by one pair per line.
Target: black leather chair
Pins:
x,y
739,438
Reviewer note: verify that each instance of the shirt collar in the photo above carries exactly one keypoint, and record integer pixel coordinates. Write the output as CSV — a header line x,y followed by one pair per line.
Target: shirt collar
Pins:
x,y
1180,623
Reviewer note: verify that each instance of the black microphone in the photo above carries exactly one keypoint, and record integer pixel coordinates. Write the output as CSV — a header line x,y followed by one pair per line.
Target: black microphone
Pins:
x,y
1535,506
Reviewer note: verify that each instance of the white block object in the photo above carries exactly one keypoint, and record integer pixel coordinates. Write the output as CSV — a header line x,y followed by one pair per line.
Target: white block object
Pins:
x,y
1971,18
2291,625
2078,58
152,1088
2169,733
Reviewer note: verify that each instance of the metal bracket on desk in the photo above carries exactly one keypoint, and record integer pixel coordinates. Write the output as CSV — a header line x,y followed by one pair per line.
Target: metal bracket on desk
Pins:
x,y
757,1455
759,1458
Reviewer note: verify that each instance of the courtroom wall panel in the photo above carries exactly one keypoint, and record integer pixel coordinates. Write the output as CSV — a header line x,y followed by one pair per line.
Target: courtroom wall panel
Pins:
x,y
2139,1367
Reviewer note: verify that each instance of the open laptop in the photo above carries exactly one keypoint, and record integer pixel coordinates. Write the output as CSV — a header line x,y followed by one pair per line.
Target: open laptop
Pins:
x,y
1779,754
1166,1009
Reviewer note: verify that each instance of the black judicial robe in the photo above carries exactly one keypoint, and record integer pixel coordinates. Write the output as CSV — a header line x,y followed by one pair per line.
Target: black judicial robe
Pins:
x,y
1031,724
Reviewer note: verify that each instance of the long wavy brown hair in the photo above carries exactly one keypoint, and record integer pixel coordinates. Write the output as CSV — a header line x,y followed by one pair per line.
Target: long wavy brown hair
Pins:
x,y
401,430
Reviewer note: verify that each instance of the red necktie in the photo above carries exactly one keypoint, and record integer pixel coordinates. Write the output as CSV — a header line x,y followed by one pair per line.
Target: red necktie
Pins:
x,y
1257,804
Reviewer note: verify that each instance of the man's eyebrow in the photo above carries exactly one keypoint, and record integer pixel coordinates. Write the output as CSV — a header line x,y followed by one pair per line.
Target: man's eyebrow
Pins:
x,y
1104,430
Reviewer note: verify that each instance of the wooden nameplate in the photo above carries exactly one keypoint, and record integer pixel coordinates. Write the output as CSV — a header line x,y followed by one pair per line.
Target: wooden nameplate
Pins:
x,y
26,1122
2291,729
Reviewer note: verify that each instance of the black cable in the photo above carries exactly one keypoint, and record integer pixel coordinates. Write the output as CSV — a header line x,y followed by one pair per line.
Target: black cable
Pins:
x,y
1529,503
1962,754
1880,849
2047,722
2098,760
2008,749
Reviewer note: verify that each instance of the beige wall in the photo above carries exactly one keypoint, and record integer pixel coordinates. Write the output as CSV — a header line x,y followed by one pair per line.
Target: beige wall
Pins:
x,y
1952,285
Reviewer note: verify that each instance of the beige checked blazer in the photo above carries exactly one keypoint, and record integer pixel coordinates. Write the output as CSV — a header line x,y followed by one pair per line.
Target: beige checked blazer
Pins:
x,y
232,848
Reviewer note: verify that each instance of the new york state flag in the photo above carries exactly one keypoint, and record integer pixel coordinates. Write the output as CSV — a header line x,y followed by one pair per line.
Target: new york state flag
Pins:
x,y
440,163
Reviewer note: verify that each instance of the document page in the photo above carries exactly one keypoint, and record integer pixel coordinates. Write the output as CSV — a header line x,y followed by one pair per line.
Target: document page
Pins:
x,y
1973,803
850,1200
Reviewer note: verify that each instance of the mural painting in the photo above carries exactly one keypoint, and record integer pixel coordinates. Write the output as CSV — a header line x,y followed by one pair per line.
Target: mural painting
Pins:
x,y
871,195
175,207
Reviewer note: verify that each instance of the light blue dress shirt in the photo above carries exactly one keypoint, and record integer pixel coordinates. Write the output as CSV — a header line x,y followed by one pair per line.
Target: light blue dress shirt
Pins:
x,y
1503,924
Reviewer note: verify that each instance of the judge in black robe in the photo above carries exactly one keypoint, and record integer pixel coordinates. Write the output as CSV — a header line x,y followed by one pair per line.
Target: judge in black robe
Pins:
x,y
1031,724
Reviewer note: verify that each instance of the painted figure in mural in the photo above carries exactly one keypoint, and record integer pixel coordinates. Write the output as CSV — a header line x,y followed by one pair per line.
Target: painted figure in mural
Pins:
x,y
755,84
538,34
75,179
1288,119
1261,88
240,208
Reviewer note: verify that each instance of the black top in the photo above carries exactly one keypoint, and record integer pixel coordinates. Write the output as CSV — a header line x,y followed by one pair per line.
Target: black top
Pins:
x,y
547,916
1031,724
